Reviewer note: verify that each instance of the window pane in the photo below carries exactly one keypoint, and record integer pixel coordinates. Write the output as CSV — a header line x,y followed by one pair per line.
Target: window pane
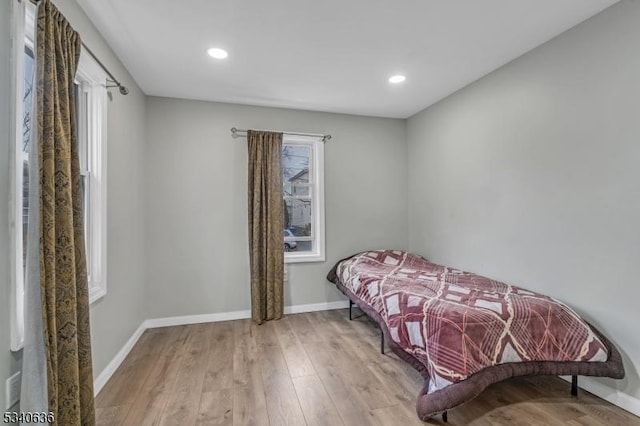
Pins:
x,y
298,246
85,187
295,160
297,190
82,139
27,99
297,219
27,123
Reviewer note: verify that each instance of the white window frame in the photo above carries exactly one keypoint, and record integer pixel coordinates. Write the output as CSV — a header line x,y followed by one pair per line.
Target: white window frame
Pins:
x,y
23,21
317,253
93,80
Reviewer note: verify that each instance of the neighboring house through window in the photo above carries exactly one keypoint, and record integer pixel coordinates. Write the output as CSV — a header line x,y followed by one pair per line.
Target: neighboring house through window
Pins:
x,y
91,119
303,196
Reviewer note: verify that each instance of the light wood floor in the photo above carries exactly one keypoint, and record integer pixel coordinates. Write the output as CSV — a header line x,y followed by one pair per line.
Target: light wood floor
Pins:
x,y
315,369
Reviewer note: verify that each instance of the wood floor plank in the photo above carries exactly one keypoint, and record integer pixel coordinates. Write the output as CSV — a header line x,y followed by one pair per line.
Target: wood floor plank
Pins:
x,y
361,333
331,357
249,406
219,370
410,377
246,369
297,359
148,404
350,403
111,416
303,328
584,421
395,415
603,413
280,396
182,407
216,408
399,389
361,326
317,406
348,357
363,349
282,402
272,360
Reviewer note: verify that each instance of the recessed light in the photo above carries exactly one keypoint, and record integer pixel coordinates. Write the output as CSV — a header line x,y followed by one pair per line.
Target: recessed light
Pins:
x,y
397,79
216,52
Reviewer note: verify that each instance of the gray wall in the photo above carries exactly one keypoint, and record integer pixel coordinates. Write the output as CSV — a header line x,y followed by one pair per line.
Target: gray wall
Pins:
x,y
530,175
196,189
115,317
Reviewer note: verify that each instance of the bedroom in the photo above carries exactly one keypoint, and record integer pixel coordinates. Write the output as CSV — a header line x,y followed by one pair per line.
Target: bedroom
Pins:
x,y
527,174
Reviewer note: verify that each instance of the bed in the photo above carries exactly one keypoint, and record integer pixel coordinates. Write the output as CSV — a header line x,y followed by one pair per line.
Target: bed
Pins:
x,y
464,332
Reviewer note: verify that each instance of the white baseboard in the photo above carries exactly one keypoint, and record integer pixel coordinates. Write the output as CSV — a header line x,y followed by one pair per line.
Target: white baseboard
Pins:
x,y
236,315
614,396
195,319
316,307
111,368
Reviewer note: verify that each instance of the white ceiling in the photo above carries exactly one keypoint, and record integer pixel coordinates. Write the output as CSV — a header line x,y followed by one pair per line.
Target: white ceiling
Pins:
x,y
326,55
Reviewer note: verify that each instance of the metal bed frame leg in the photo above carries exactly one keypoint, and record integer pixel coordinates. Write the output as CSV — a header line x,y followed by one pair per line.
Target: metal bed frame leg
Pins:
x,y
445,417
574,385
350,306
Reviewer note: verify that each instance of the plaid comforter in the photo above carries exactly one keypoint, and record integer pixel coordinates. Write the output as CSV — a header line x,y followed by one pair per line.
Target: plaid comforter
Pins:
x,y
456,323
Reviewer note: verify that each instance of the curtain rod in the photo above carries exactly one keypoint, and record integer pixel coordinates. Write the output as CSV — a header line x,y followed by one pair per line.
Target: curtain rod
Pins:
x,y
325,137
121,87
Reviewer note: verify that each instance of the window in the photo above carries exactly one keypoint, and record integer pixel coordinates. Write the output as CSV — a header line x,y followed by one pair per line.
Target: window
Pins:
x,y
303,197
23,95
91,120
91,109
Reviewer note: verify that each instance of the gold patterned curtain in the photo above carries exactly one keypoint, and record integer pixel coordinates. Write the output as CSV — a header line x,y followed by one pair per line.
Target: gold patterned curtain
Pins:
x,y
63,272
266,226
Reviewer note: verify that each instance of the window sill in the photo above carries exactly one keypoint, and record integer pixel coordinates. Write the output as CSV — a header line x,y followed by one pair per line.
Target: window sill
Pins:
x,y
18,347
95,294
304,258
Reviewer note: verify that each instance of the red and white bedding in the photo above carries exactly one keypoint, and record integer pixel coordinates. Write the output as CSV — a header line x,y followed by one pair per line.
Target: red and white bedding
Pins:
x,y
457,323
